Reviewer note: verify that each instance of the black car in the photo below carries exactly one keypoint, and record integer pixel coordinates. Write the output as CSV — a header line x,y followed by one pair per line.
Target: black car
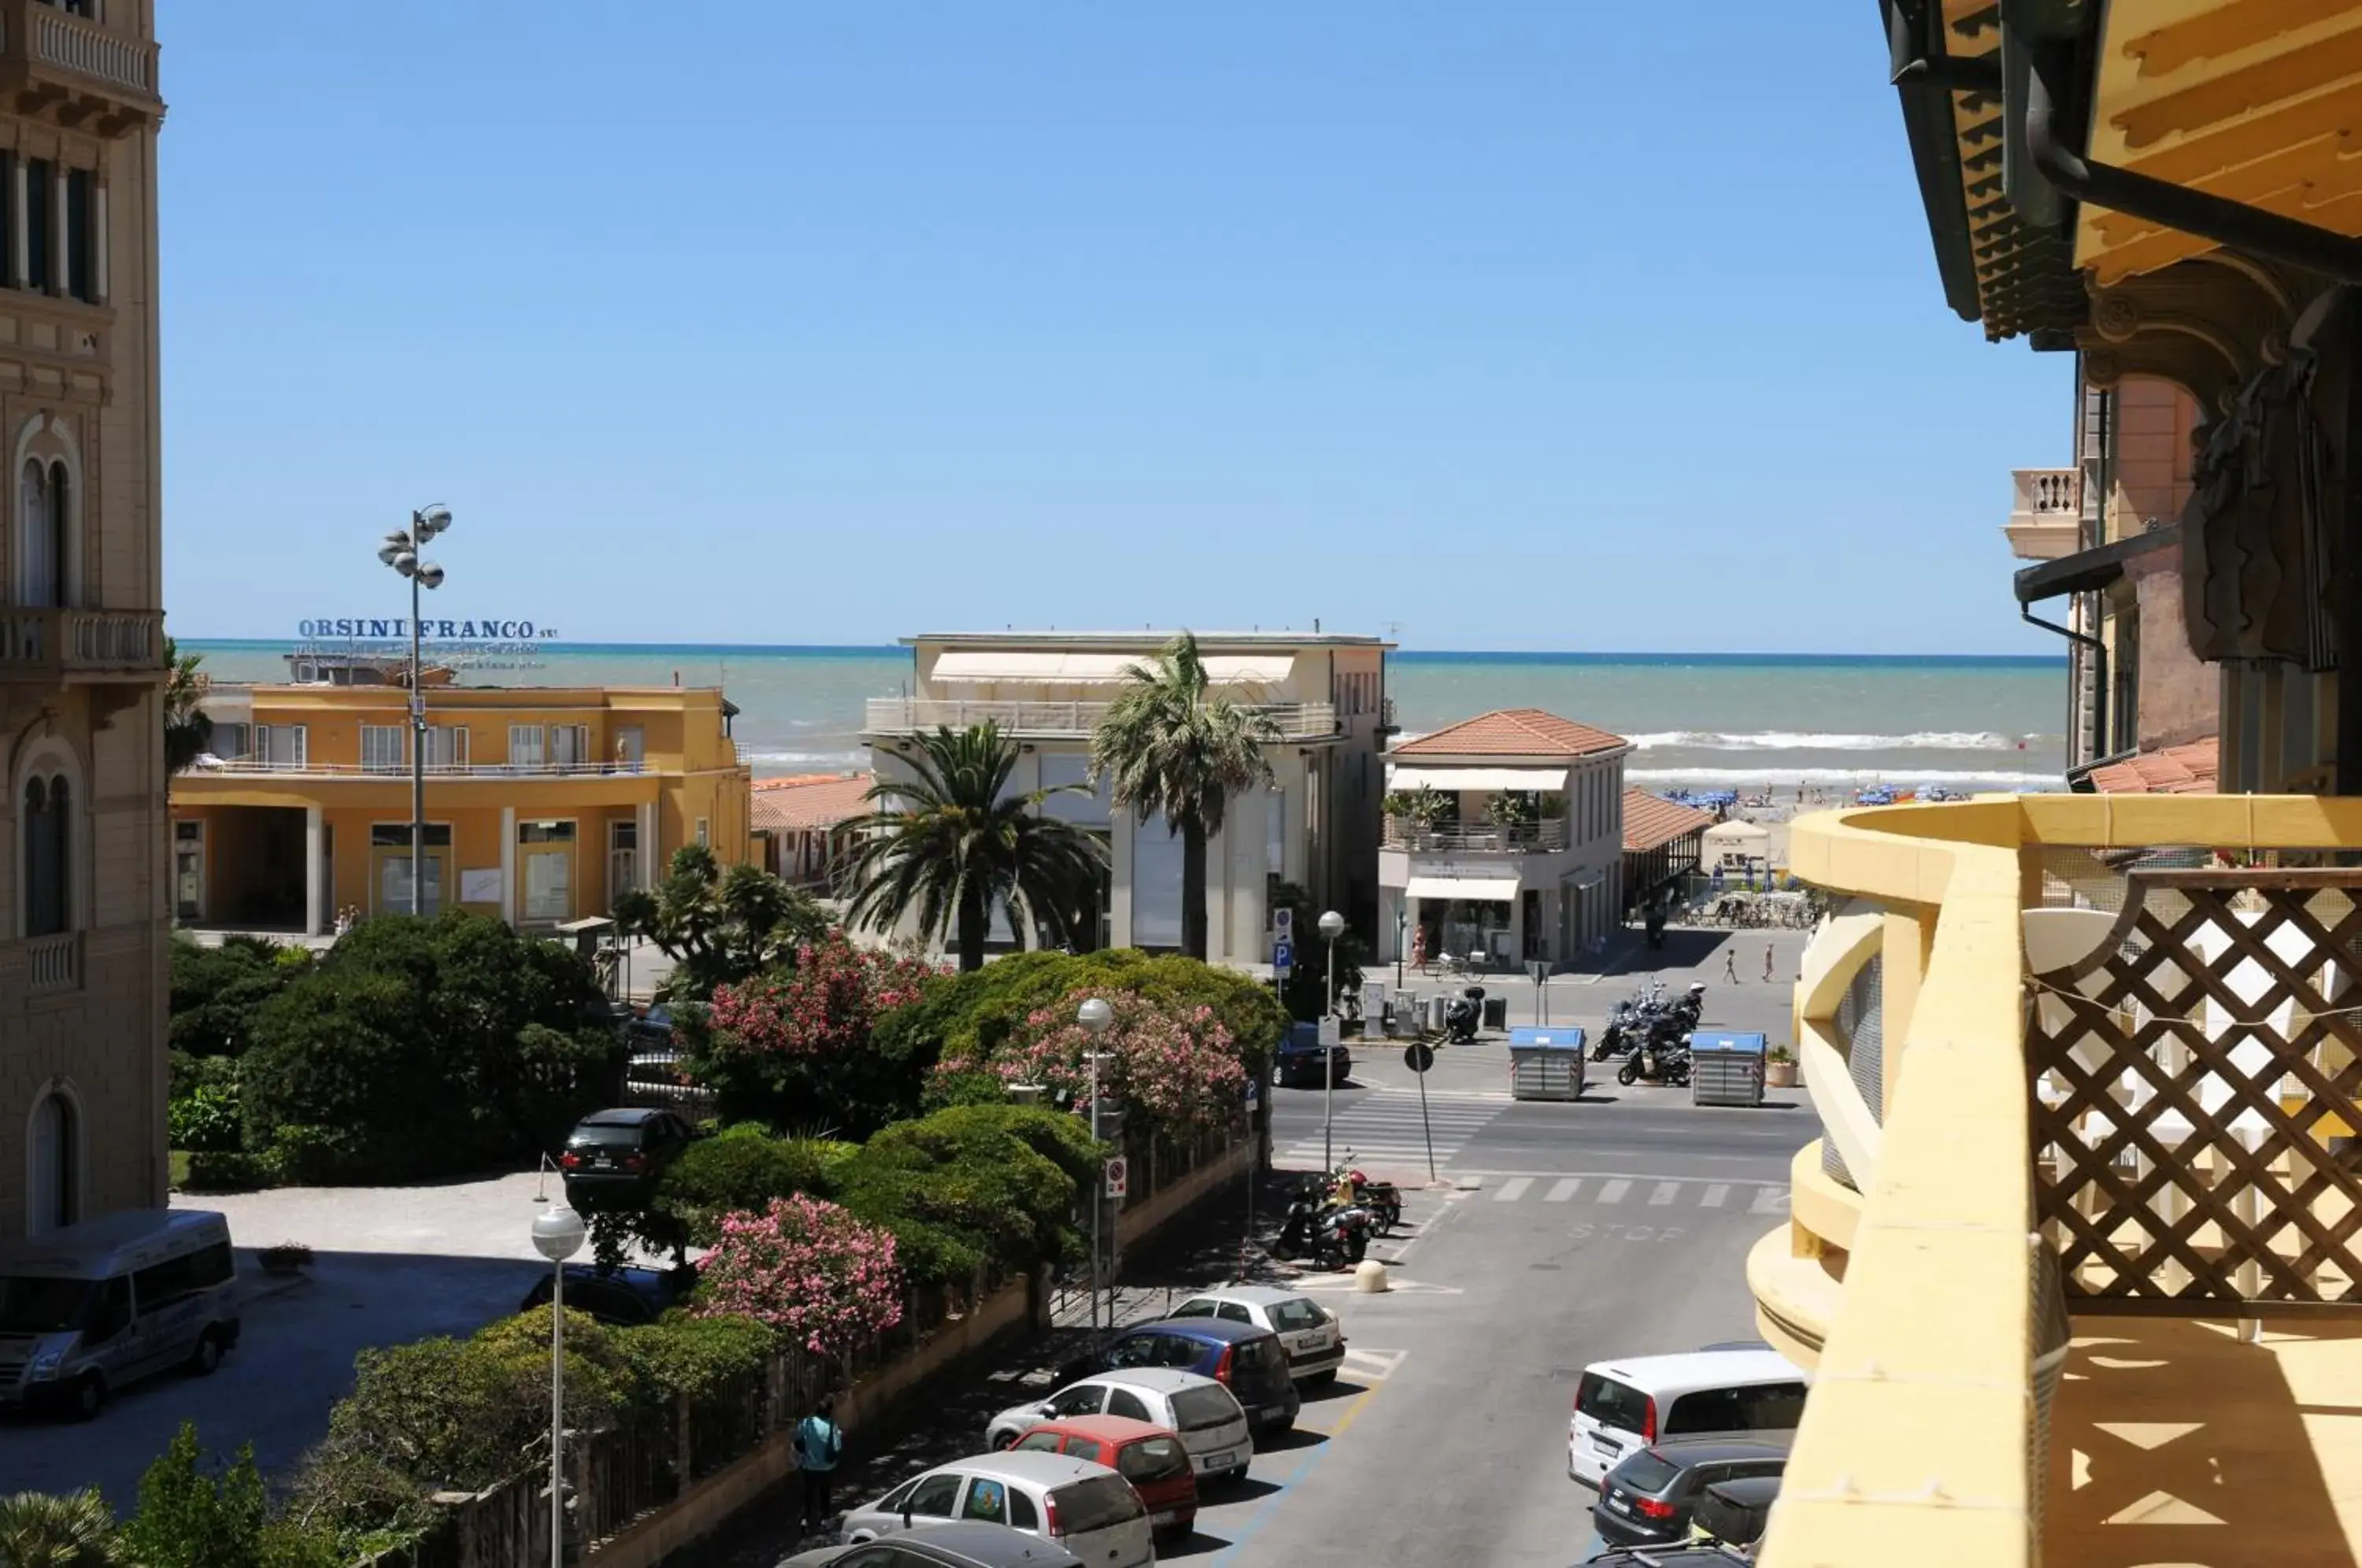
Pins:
x,y
613,1157
1647,1499
1698,1554
1300,1057
963,1544
1245,1358
626,1297
1736,1513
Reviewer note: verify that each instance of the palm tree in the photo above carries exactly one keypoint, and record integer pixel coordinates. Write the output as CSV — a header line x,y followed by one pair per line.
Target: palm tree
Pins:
x,y
43,1529
950,845
188,730
1175,745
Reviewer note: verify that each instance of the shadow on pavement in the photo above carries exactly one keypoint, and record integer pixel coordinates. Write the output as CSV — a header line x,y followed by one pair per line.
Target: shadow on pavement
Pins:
x,y
1290,1440
1198,1545
1340,1390
1247,1491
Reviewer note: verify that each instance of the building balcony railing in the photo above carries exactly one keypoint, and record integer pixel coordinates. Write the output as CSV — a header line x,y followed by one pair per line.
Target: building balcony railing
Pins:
x,y
52,963
1518,838
908,715
2046,514
2081,1097
77,71
50,646
395,771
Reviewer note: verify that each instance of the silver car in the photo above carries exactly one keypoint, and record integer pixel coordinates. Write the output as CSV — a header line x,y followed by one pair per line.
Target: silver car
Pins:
x,y
1206,1416
1087,1508
1306,1329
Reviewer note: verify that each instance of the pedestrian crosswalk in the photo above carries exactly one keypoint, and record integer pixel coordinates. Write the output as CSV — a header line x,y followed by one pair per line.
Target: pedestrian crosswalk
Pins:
x,y
1607,1189
1383,1128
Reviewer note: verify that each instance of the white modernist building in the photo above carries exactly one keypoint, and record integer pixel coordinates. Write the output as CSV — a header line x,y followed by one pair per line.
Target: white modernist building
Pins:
x,y
1316,826
1524,860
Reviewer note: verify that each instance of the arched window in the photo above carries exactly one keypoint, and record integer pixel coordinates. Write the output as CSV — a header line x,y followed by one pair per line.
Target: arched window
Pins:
x,y
53,1164
42,564
61,552
48,832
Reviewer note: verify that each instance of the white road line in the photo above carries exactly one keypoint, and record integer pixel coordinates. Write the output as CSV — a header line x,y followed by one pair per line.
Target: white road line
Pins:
x,y
1562,1189
1770,1201
1615,1191
1665,1193
1715,1193
1513,1190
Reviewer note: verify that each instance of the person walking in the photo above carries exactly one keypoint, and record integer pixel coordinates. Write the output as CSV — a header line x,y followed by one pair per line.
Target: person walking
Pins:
x,y
1730,965
1767,962
819,1442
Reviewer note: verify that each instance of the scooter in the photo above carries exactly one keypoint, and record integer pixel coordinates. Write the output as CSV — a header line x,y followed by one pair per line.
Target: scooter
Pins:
x,y
1382,1198
1661,1061
1462,1017
1335,1237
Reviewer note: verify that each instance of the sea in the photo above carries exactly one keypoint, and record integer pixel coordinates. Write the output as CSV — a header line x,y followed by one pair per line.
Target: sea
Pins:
x,y
1819,723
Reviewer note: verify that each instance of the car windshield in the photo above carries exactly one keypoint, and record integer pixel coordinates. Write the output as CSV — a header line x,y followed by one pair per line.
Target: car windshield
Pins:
x,y
602,1133
1610,1403
41,1305
1646,1471
1195,1410
1289,1317
1096,1502
1151,1459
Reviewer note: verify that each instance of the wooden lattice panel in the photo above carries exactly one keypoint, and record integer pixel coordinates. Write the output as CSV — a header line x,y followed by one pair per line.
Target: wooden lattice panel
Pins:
x,y
2186,1081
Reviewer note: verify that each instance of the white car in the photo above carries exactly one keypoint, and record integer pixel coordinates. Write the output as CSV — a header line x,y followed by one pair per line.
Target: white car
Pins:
x,y
1307,1330
1721,1391
1206,1416
1087,1508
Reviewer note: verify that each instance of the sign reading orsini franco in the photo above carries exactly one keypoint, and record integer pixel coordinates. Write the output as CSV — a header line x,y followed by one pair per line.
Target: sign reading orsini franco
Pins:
x,y
379,627
496,644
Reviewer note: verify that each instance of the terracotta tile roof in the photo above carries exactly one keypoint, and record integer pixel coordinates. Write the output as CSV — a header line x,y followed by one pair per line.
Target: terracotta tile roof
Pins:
x,y
2187,769
792,805
1512,732
1651,822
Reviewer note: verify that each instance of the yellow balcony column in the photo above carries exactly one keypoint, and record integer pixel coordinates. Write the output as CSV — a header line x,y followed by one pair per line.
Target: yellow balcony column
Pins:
x,y
1910,931
508,863
314,870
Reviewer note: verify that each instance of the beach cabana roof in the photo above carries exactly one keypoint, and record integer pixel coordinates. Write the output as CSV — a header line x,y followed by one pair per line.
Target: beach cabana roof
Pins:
x,y
1651,822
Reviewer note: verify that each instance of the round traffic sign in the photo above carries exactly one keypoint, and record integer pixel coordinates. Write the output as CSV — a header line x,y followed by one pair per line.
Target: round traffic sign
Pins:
x,y
1418,1055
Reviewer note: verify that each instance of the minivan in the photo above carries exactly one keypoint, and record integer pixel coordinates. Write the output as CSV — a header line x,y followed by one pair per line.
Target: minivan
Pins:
x,y
1620,1406
1087,1508
89,1309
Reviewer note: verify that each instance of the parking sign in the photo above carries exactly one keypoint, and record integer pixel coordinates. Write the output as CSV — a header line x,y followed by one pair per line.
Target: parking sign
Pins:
x,y
1118,1176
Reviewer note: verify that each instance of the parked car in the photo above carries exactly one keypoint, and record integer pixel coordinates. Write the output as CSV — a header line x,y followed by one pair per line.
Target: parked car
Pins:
x,y
1245,1358
1152,1458
1697,1554
1087,1508
1208,1416
1307,1330
625,1296
613,1158
1299,1058
1620,1406
1736,1513
88,1309
651,1031
1648,1498
957,1545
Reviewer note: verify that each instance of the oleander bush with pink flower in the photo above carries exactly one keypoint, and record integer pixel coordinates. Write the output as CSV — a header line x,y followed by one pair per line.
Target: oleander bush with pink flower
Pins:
x,y
819,1276
797,1046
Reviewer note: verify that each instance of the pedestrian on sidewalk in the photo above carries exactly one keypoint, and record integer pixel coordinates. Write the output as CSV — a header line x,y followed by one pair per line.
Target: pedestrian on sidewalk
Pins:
x,y
820,1443
1730,965
1767,962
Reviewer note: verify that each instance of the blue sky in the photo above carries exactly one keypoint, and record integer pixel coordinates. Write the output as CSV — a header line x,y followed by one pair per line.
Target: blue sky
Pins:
x,y
1523,325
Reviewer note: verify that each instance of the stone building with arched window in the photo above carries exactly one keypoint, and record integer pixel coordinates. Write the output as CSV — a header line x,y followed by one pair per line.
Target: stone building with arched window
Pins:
x,y
83,818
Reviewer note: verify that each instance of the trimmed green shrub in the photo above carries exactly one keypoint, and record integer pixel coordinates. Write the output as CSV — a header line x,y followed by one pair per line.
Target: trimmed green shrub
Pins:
x,y
216,991
229,1170
741,1167
693,1358
204,1120
190,1518
972,1186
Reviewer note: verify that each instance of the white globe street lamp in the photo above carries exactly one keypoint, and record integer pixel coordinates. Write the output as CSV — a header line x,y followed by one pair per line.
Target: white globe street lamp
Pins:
x,y
1097,1018
558,1234
1332,927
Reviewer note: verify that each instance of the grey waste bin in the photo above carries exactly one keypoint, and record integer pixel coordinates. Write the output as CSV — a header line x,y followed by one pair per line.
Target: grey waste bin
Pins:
x,y
1546,1063
1496,1012
1435,1005
1726,1069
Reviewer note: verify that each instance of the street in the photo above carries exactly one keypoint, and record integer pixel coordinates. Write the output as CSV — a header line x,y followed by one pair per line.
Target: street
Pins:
x,y
1557,1234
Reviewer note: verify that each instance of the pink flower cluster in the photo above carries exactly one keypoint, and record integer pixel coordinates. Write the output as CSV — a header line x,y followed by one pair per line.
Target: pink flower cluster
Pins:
x,y
827,1004
1178,1066
808,1268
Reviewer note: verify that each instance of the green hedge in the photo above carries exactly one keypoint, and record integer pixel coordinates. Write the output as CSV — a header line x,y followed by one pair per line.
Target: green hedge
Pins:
x,y
971,1014
743,1167
972,1186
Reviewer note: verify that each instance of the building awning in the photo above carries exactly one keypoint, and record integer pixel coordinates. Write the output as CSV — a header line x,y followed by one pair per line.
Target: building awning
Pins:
x,y
1550,780
2086,571
1477,889
1587,880
1052,668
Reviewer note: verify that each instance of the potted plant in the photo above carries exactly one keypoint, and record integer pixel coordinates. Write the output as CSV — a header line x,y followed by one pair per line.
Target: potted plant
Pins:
x,y
1779,1067
1418,812
286,1258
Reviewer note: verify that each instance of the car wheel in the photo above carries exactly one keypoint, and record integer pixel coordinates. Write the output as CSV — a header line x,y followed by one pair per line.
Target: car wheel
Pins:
x,y
89,1396
206,1359
1005,1441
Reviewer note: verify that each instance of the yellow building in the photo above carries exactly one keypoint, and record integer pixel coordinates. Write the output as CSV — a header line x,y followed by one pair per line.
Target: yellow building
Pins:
x,y
542,802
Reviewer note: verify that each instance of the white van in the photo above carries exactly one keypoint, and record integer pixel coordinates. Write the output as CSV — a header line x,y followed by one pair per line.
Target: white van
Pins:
x,y
1724,1391
88,1308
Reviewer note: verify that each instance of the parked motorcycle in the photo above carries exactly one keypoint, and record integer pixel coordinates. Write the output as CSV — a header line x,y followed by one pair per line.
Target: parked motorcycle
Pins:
x,y
1464,1016
1334,1238
1665,1061
1382,1198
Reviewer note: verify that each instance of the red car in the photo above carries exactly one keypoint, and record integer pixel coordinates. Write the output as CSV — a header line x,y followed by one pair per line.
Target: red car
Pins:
x,y
1145,1454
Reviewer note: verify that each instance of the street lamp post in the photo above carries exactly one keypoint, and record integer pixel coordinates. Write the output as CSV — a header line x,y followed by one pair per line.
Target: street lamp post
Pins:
x,y
1402,923
400,551
1096,1018
558,1235
1332,927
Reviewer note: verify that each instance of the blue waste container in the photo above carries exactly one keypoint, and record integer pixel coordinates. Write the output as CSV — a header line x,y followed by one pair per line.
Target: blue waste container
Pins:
x,y
1546,1063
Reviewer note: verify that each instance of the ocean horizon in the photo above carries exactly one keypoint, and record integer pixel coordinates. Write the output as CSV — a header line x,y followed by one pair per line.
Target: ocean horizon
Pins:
x,y
1780,721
